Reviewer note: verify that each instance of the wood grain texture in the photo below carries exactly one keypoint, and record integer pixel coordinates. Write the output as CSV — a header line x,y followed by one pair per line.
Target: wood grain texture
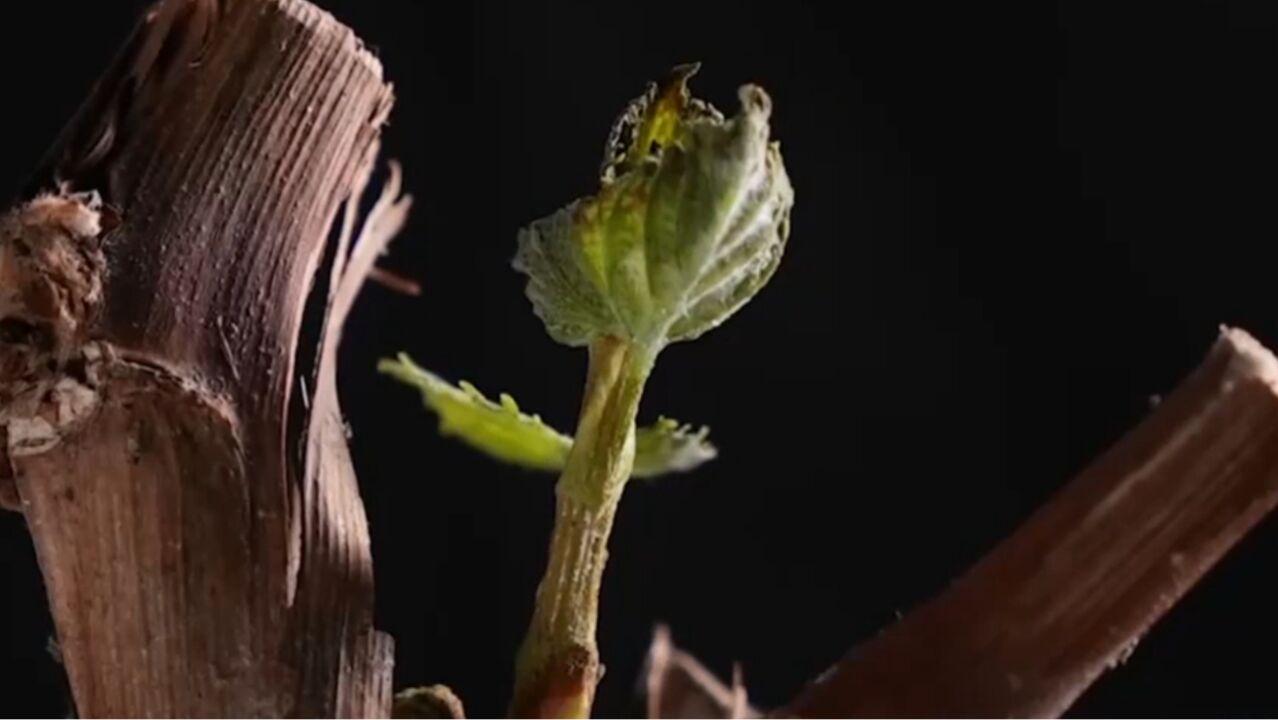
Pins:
x,y
141,573
1069,594
203,540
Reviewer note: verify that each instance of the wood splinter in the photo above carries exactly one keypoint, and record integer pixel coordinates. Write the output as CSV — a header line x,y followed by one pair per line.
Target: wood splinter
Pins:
x,y
678,686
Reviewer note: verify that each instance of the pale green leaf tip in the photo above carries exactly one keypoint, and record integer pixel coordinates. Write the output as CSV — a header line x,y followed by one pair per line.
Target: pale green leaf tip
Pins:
x,y
669,447
498,430
502,432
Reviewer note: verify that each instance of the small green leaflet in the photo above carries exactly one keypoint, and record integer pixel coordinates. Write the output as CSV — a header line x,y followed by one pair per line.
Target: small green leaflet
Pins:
x,y
501,431
669,447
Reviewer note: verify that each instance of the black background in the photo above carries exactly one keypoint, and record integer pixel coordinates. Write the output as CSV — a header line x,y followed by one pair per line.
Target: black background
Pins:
x,y
1015,223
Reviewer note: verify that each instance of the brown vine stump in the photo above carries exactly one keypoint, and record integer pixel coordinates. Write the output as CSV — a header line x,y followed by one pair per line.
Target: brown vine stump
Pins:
x,y
179,456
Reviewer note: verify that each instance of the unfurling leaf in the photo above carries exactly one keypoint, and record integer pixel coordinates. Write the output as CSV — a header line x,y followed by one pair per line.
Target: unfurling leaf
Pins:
x,y
669,447
691,221
501,431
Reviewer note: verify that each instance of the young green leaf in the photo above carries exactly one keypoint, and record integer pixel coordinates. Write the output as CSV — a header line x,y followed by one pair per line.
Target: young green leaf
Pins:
x,y
668,447
501,431
690,223
496,429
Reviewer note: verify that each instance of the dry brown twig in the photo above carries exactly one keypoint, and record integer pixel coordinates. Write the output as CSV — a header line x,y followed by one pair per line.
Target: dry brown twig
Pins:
x,y
1068,595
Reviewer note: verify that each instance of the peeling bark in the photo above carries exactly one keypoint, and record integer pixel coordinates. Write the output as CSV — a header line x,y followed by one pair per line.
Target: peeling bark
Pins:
x,y
200,532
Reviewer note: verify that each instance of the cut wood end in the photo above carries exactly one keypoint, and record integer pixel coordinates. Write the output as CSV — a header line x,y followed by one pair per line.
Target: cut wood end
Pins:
x,y
1248,358
306,10
196,22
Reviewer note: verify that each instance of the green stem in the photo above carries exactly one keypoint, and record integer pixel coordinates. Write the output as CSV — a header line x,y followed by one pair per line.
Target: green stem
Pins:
x,y
558,664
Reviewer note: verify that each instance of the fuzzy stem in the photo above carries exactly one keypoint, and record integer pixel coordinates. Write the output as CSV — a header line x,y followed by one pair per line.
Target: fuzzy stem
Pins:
x,y
558,664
